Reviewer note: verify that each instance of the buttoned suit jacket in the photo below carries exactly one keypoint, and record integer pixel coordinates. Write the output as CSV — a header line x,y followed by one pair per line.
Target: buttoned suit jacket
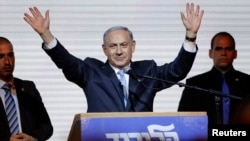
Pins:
x,y
103,89
35,120
197,100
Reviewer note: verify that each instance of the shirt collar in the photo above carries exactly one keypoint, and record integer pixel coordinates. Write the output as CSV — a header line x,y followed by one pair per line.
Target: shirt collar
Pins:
x,y
117,69
3,82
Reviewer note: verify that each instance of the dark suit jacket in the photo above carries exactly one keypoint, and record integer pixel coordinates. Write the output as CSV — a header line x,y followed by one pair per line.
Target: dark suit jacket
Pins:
x,y
34,117
196,100
102,87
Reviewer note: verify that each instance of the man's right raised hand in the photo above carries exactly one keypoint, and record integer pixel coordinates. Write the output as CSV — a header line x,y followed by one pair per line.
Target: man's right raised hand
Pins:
x,y
40,24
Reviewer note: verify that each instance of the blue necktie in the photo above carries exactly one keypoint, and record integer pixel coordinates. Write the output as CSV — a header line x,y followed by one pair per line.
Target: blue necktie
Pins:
x,y
124,85
11,112
226,101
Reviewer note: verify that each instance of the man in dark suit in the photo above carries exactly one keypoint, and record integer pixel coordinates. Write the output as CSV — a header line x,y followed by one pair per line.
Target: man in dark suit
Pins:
x,y
223,53
100,81
33,120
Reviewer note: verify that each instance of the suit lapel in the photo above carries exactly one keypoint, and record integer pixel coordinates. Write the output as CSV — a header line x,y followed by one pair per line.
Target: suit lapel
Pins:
x,y
21,100
116,85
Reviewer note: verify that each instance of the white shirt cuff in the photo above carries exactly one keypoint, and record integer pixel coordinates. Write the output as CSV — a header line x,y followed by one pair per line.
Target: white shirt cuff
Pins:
x,y
51,45
189,47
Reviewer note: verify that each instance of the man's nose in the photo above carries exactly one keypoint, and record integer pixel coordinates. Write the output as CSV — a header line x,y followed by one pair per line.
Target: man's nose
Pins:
x,y
119,49
6,60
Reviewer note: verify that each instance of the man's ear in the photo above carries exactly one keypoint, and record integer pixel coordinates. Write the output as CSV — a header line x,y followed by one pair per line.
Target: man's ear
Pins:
x,y
104,49
210,53
133,45
235,54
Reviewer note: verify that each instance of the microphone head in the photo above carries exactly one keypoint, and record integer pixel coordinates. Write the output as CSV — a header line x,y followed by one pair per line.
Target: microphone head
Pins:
x,y
126,69
131,73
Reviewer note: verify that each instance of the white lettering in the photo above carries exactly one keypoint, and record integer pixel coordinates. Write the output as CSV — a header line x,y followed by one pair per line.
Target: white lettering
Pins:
x,y
163,133
214,132
231,133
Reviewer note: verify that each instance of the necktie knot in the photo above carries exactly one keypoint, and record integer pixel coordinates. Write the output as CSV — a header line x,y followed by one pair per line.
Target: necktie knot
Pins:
x,y
6,87
121,73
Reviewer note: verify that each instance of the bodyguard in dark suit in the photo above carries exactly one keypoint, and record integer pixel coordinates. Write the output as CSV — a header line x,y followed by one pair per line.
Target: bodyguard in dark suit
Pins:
x,y
223,53
33,120
100,80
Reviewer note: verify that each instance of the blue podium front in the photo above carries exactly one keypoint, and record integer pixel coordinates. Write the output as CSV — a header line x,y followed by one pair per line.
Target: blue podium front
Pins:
x,y
146,126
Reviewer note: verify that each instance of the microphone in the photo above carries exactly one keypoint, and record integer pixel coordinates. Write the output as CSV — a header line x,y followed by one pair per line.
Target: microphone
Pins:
x,y
131,73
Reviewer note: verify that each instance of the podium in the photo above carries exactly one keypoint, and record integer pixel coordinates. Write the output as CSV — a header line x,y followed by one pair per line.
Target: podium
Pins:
x,y
139,126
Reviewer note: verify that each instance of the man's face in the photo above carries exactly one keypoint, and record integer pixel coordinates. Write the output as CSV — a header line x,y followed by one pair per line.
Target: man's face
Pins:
x,y
119,48
7,61
223,53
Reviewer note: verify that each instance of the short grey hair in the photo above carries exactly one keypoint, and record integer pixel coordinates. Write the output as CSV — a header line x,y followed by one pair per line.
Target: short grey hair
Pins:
x,y
117,28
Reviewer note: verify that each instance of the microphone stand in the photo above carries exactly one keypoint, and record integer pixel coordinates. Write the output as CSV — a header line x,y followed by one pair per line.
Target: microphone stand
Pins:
x,y
217,93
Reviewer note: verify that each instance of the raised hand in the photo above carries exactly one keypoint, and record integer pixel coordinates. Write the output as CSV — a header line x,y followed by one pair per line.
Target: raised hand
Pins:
x,y
39,23
192,20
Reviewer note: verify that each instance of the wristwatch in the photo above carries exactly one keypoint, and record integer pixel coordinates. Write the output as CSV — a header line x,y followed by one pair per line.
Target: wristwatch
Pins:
x,y
190,39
